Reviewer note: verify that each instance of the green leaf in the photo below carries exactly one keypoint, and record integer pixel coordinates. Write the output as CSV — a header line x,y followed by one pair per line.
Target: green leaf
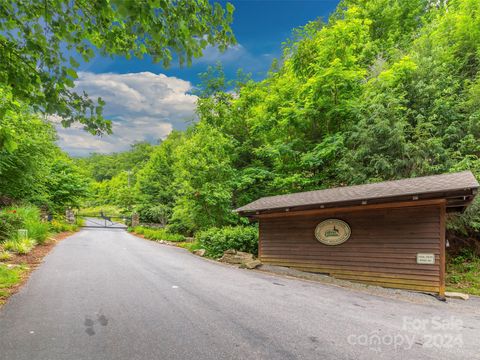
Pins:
x,y
72,73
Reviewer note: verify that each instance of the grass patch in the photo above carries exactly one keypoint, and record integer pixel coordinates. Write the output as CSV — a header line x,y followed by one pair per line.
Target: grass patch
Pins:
x,y
37,230
190,246
9,277
157,234
5,256
21,247
463,273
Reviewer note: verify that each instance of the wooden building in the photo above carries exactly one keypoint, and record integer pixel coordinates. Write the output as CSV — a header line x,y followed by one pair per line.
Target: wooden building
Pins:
x,y
390,234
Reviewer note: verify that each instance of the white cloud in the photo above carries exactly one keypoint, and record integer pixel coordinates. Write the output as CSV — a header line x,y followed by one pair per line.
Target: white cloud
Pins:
x,y
212,54
142,106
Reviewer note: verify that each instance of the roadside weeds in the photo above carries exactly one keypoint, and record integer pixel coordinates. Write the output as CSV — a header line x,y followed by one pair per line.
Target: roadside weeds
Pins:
x,y
17,269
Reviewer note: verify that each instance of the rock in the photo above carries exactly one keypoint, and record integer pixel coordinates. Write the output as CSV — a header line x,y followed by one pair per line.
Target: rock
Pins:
x,y
237,258
456,295
230,252
252,264
199,252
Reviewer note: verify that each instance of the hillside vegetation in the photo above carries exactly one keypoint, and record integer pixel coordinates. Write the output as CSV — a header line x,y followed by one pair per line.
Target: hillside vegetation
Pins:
x,y
384,90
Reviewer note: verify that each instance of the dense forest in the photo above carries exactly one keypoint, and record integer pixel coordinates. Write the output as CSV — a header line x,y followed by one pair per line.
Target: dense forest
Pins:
x,y
42,46
383,90
33,168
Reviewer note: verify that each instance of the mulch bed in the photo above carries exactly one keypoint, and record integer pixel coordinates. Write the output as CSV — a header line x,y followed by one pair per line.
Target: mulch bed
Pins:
x,y
31,261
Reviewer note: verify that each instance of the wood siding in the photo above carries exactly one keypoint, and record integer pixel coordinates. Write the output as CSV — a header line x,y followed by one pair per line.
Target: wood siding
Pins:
x,y
381,250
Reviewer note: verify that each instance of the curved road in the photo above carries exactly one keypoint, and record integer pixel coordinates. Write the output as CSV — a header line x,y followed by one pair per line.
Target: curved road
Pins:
x,y
105,294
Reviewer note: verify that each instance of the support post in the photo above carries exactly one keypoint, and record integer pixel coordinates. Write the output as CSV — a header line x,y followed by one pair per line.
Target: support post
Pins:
x,y
443,211
260,240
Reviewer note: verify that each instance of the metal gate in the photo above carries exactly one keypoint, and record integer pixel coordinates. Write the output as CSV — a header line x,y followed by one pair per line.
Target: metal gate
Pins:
x,y
102,220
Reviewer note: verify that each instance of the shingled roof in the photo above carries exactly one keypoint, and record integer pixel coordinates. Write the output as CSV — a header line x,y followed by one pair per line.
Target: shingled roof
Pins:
x,y
458,188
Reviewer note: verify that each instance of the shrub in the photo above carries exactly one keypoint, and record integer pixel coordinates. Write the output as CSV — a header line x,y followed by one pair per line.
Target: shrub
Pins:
x,y
25,246
28,213
5,255
22,217
10,245
158,214
463,272
10,221
58,226
21,247
217,240
191,246
78,223
37,230
157,234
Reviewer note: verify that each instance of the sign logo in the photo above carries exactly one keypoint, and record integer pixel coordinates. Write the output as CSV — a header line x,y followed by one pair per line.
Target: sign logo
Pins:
x,y
332,232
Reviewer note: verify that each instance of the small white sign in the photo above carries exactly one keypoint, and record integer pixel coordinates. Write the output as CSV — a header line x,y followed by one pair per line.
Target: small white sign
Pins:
x,y
425,258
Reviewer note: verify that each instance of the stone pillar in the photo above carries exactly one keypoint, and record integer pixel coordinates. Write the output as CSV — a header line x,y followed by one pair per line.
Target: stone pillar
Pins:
x,y
43,214
70,216
135,219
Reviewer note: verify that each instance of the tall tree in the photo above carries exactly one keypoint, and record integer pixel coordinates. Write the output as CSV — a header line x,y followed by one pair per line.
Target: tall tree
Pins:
x,y
205,180
43,42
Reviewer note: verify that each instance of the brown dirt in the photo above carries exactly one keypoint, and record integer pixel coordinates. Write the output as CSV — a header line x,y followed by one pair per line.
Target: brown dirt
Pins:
x,y
31,261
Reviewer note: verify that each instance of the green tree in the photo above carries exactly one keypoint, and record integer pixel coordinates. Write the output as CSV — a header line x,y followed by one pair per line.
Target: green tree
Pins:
x,y
29,147
204,179
42,45
105,166
155,184
65,185
32,168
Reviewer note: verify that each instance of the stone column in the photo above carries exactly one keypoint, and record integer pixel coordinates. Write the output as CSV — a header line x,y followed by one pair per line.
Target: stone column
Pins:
x,y
70,216
43,214
135,219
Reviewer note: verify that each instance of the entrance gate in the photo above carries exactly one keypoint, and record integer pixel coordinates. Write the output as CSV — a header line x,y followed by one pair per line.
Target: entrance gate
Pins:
x,y
102,220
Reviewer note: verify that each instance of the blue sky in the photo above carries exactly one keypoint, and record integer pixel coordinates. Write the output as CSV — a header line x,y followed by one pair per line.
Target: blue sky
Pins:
x,y
146,101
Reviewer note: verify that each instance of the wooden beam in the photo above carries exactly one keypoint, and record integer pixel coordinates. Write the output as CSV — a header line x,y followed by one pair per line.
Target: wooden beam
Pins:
x,y
313,212
259,255
443,211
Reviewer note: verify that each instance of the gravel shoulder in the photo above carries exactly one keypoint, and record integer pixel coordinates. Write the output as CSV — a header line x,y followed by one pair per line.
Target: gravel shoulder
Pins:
x,y
471,305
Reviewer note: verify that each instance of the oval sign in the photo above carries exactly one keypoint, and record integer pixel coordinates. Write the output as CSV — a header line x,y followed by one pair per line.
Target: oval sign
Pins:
x,y
332,232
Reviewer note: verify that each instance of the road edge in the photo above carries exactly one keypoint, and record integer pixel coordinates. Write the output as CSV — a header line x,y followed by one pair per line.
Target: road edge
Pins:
x,y
30,262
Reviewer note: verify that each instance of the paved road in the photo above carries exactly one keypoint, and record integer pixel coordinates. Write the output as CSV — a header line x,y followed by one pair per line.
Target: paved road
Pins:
x,y
105,294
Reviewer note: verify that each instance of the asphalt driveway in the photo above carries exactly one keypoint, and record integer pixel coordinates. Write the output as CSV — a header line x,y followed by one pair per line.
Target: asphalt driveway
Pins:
x,y
105,294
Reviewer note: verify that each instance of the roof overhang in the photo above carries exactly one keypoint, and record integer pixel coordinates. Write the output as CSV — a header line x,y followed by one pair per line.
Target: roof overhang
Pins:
x,y
454,200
